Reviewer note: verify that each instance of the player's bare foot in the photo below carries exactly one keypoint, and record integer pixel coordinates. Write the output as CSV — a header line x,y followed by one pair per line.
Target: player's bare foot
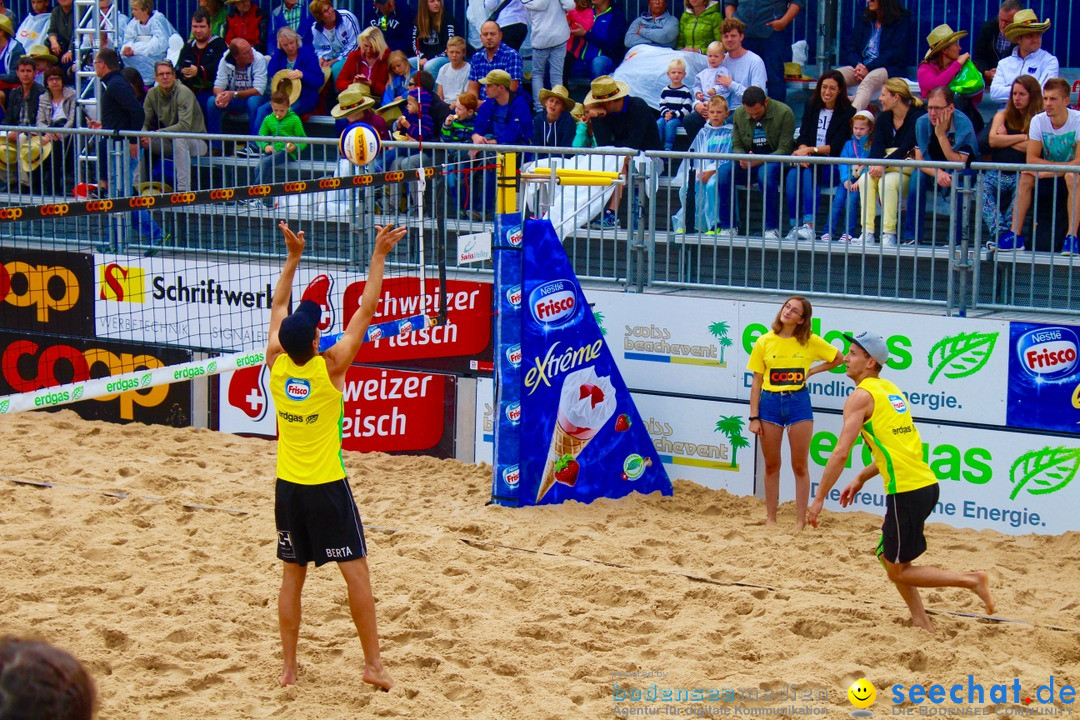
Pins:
x,y
288,676
378,677
982,589
800,526
924,623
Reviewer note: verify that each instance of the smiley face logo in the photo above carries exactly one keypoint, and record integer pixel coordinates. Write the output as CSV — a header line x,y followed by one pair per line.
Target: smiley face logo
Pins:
x,y
862,694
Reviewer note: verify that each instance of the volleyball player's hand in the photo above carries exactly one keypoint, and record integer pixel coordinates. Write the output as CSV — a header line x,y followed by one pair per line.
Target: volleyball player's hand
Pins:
x,y
387,237
294,242
847,495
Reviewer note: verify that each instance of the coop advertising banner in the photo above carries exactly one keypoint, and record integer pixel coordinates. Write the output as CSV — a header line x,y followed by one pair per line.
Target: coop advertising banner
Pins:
x,y
46,291
32,365
385,410
581,435
1012,482
1044,377
951,368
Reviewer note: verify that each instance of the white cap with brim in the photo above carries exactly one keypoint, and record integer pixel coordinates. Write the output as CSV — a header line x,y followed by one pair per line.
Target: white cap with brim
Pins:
x,y
873,344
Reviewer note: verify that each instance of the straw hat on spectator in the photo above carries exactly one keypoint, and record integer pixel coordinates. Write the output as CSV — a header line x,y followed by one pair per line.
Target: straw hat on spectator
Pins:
x,y
41,52
292,88
6,26
32,153
497,77
1025,22
605,89
940,38
391,111
578,111
560,92
153,188
351,100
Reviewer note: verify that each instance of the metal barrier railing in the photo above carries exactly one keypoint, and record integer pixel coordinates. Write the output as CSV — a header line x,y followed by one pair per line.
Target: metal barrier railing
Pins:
x,y
953,267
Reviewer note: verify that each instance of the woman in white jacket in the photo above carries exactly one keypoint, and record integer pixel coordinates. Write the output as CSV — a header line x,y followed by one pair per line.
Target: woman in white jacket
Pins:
x,y
550,31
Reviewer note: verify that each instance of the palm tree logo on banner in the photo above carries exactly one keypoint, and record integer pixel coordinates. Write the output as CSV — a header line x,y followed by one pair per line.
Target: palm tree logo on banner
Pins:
x,y
719,330
731,426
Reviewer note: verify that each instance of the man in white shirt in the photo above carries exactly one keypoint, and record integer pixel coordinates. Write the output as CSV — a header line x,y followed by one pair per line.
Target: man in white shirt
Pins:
x,y
1054,140
745,69
1027,59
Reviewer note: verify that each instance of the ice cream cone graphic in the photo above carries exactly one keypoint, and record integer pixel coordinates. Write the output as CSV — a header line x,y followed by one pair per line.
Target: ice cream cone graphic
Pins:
x,y
586,403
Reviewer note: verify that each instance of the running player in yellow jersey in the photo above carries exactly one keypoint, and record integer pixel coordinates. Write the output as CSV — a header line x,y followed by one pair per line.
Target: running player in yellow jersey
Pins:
x,y
879,410
317,519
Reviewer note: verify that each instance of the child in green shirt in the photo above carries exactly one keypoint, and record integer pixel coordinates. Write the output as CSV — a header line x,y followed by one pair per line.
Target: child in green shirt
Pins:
x,y
281,122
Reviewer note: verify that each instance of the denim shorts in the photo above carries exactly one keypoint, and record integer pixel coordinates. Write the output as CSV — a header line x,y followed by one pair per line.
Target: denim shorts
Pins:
x,y
785,408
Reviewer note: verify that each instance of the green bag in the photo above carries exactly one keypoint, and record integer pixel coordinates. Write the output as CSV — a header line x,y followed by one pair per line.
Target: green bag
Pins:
x,y
969,81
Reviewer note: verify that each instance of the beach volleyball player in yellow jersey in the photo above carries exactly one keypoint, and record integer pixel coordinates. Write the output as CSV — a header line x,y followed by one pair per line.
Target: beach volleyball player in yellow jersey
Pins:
x,y
782,360
317,519
879,410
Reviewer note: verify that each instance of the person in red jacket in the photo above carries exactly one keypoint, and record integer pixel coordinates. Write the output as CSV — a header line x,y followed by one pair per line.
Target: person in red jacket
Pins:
x,y
368,63
247,20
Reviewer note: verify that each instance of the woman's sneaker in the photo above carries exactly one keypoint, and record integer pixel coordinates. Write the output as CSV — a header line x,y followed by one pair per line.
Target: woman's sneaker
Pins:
x,y
866,239
1071,246
846,238
1009,240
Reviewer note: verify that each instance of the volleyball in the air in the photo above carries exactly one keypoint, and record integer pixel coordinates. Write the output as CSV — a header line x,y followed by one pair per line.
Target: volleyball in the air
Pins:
x,y
360,143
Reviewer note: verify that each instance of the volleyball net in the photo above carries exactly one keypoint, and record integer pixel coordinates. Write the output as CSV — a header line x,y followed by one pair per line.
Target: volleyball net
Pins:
x,y
195,272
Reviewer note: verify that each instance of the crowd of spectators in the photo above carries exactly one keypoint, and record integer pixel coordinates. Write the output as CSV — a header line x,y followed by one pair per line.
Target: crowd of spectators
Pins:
x,y
237,58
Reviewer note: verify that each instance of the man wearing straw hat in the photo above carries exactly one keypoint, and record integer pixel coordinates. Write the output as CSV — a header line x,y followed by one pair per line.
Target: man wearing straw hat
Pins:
x,y
170,107
1027,59
627,122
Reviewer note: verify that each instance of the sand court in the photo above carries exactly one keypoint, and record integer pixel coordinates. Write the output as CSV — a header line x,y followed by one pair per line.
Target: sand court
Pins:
x,y
152,560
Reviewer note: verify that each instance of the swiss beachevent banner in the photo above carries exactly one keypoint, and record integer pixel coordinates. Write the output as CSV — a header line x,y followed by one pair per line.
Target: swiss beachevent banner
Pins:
x,y
226,306
951,368
1012,482
581,435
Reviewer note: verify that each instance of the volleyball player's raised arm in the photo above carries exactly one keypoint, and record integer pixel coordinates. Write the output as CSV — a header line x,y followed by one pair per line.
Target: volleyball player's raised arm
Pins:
x,y
340,356
279,306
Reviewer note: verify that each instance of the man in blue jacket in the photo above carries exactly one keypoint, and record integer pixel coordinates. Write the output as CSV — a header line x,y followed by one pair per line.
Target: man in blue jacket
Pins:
x,y
944,135
504,119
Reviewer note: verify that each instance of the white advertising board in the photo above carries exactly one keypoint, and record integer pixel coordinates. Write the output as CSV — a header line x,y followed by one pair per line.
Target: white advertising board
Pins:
x,y
223,305
951,368
701,440
485,421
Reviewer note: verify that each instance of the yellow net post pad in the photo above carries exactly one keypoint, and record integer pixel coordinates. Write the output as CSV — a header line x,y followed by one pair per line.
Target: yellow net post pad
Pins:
x,y
569,176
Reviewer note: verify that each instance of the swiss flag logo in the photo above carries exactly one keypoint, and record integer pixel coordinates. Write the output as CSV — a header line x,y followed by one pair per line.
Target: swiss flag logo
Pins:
x,y
247,391
318,291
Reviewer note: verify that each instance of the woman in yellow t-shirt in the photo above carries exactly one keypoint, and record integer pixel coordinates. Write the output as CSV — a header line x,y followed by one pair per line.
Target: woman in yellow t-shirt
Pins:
x,y
782,361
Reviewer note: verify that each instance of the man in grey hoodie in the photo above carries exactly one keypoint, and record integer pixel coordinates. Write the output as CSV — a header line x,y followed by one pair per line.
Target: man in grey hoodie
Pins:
x,y
656,27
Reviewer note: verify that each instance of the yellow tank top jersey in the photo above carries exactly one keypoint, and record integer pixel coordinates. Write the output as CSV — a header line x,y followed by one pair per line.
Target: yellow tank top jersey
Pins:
x,y
784,362
309,413
893,440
